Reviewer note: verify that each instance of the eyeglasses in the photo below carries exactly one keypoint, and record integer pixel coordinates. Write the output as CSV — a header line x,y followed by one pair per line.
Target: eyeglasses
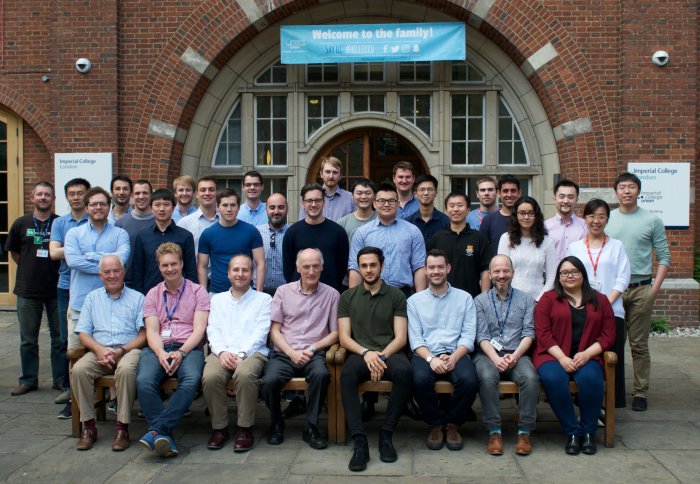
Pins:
x,y
567,274
273,236
425,190
391,202
526,214
313,201
596,218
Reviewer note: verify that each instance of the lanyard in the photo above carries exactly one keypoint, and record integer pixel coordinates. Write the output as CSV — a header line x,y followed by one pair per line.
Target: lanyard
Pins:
x,y
501,323
165,301
597,259
478,213
41,230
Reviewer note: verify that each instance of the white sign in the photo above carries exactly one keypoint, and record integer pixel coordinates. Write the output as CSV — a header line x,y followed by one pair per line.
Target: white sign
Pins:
x,y
665,191
94,167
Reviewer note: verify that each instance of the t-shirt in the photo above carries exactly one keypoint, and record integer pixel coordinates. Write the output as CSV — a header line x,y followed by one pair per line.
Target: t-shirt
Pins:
x,y
351,223
37,277
221,243
493,225
58,234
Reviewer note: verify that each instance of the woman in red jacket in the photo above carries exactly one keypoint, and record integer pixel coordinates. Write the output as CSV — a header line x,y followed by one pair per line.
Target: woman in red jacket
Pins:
x,y
573,326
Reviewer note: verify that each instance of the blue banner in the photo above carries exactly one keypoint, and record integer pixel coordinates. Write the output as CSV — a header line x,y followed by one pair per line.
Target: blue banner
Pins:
x,y
319,44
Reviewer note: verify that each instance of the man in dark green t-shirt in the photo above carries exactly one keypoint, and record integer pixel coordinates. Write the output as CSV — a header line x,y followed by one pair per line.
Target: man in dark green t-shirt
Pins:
x,y
373,327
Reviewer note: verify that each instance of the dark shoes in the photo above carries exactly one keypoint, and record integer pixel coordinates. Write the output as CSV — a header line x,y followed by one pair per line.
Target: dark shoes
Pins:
x,y
218,438
360,454
436,437
66,413
313,437
120,441
368,410
588,444
639,404
275,436
573,445
22,389
387,452
87,439
296,407
244,439
453,437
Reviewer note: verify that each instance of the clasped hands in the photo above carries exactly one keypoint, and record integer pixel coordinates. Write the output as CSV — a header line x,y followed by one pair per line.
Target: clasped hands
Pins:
x,y
571,365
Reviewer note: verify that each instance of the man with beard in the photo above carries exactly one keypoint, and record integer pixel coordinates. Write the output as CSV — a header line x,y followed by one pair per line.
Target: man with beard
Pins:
x,y
120,187
272,234
184,187
338,202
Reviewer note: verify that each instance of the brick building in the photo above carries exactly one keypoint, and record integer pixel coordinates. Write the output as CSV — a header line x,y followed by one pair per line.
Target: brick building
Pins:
x,y
551,88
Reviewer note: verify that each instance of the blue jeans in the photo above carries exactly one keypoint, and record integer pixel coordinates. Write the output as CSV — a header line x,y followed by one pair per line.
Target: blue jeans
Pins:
x,y
160,418
29,312
590,395
63,298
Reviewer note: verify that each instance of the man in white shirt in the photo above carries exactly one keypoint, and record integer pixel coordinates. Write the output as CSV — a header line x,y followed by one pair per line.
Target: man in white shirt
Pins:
x,y
206,215
565,227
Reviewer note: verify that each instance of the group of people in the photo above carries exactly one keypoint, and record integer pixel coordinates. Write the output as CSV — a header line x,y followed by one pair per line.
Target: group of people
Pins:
x,y
142,279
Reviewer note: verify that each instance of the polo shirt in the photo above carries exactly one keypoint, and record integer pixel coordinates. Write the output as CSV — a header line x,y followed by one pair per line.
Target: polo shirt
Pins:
x,y
493,226
58,234
182,304
254,217
564,234
438,221
372,316
111,321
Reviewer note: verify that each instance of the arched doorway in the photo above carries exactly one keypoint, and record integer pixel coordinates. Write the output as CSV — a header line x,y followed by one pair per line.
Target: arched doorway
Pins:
x,y
369,153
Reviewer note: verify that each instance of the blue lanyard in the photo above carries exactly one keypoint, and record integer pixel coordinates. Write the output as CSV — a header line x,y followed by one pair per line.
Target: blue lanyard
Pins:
x,y
165,301
501,323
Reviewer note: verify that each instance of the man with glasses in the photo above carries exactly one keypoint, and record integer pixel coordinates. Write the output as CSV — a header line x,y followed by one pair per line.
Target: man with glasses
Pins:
x,y
428,219
486,194
338,202
316,232
565,227
272,234
496,223
253,210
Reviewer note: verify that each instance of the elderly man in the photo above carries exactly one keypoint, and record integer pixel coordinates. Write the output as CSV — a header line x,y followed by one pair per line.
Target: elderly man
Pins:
x,y
111,328
304,324
239,323
175,312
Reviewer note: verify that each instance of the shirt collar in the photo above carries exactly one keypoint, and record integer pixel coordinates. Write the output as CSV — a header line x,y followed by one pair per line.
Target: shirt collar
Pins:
x,y
561,220
495,293
182,284
119,296
378,222
301,291
440,296
169,228
382,288
280,231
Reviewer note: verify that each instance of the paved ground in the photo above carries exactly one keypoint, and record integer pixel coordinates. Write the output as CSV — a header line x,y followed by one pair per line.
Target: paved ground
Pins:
x,y
660,445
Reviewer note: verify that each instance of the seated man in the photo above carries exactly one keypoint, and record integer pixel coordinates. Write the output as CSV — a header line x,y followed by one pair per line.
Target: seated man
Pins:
x,y
304,324
111,328
175,312
505,331
441,330
372,327
238,327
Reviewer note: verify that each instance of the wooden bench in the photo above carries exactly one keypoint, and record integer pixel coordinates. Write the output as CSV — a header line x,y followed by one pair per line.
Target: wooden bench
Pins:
x,y
504,388
295,384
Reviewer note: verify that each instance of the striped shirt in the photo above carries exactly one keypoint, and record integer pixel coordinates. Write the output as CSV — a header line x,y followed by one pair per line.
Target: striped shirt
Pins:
x,y
274,269
111,321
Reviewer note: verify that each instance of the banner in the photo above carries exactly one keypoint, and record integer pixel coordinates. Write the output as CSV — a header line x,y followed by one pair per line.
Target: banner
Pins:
x,y
94,167
319,44
665,191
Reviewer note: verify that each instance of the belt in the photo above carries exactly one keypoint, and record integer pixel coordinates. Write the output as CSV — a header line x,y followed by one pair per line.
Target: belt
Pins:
x,y
645,282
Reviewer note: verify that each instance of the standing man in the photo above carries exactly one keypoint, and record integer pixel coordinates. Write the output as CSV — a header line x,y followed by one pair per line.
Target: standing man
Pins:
x,y
364,192
140,218
304,324
486,193
222,241
400,241
175,313
496,223
121,187
428,219
35,288
272,234
163,229
641,233
565,227
372,327
206,215
239,324
184,187
505,332
441,331
403,175
338,202
318,232
111,329
468,251
253,210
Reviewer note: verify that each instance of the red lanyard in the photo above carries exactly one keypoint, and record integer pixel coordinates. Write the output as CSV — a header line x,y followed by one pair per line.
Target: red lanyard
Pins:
x,y
597,259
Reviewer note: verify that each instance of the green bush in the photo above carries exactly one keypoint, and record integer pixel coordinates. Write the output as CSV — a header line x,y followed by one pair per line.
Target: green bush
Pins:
x,y
659,324
696,265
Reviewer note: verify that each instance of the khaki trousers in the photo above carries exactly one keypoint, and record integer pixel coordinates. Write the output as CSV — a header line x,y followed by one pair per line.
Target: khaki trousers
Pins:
x,y
247,381
73,339
638,303
82,382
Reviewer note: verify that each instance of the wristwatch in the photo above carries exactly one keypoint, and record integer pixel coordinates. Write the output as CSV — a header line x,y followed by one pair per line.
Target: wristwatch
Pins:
x,y
429,359
364,353
183,353
241,355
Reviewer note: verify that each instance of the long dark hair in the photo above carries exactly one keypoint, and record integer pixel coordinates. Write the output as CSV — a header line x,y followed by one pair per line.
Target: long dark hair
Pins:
x,y
538,230
588,294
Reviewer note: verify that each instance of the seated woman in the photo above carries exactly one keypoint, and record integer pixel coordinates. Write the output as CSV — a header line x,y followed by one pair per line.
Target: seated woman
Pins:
x,y
574,324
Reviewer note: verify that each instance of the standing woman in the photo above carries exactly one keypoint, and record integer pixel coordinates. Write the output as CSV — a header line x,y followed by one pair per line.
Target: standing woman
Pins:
x,y
531,250
573,326
608,270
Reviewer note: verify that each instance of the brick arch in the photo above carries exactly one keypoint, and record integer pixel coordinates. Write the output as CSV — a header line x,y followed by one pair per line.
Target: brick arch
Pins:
x,y
29,112
216,30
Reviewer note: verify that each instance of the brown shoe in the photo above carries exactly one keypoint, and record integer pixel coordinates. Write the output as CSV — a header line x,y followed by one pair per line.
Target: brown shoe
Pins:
x,y
218,438
523,445
22,389
453,437
495,445
436,437
120,441
87,438
244,440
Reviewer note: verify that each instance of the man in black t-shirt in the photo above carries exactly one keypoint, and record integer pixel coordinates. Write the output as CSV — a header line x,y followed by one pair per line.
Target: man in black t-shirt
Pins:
x,y
35,288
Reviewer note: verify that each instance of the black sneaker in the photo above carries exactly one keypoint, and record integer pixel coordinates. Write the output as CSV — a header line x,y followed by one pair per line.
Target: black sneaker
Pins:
x,y
66,413
360,454
639,404
387,452
296,407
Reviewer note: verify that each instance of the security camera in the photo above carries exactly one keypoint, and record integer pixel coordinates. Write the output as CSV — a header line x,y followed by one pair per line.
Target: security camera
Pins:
x,y
660,58
83,65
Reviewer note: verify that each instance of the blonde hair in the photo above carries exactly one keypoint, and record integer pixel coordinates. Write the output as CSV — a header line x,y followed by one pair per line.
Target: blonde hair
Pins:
x,y
185,180
168,248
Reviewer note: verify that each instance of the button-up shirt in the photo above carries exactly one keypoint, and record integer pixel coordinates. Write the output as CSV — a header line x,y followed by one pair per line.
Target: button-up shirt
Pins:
x,y
516,314
84,248
335,206
181,306
274,268
305,318
408,209
239,325
111,321
197,223
564,234
257,216
441,322
59,229
177,214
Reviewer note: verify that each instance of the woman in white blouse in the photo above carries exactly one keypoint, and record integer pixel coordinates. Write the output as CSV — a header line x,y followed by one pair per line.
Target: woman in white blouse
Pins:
x,y
608,270
531,250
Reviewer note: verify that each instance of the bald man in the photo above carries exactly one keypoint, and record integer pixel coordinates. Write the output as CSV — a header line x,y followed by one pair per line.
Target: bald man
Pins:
x,y
272,234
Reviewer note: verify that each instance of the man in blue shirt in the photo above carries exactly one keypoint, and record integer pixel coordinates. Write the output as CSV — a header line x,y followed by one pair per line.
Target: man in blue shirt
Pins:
x,y
428,219
403,175
496,223
486,194
138,219
337,202
184,187
253,210
121,187
272,234
441,331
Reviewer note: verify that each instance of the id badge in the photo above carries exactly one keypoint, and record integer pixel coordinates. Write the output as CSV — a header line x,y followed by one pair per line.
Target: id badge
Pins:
x,y
496,344
42,253
165,333
596,285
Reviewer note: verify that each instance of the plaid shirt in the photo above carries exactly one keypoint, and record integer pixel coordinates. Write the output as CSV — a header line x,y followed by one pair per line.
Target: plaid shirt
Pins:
x,y
274,270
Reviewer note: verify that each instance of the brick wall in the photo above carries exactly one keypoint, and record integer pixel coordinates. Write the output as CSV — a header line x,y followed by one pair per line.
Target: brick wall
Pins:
x,y
679,306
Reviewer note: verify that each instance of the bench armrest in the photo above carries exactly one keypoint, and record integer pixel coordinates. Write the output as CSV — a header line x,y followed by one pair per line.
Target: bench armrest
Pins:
x,y
330,355
75,354
340,356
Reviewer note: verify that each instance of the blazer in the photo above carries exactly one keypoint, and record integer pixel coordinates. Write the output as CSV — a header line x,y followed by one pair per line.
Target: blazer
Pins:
x,y
553,327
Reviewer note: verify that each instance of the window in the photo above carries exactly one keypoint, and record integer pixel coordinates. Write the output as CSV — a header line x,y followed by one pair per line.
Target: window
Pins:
x,y
319,111
229,151
368,72
415,72
322,73
415,108
510,143
275,75
463,71
271,130
272,185
374,103
467,129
